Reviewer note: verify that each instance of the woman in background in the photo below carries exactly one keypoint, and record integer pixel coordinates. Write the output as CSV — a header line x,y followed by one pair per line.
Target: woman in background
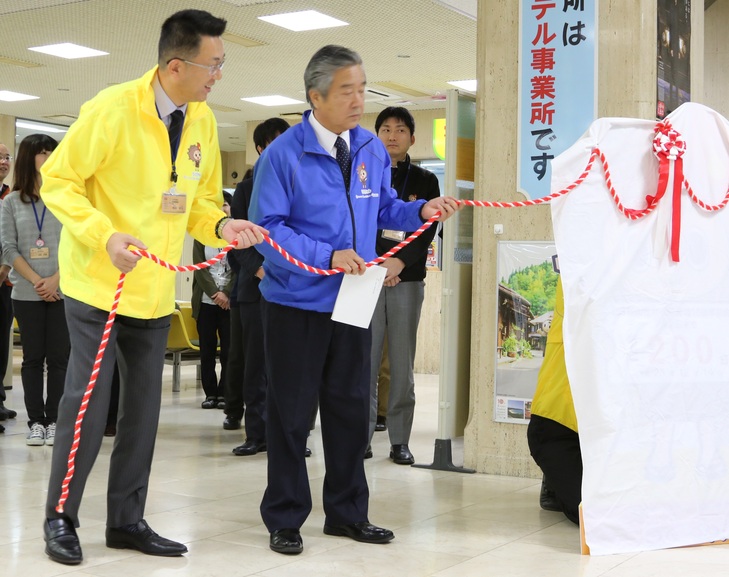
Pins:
x,y
30,236
211,308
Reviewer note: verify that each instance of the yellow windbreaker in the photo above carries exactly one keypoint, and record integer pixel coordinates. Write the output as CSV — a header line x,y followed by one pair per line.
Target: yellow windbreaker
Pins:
x,y
553,397
108,175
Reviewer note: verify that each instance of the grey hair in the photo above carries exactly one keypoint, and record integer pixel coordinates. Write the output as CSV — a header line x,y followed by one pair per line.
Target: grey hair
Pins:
x,y
322,66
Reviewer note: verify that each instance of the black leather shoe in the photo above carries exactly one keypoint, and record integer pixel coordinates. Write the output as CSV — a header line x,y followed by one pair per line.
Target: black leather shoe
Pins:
x,y
364,532
368,452
547,499
381,424
209,403
401,455
62,543
231,424
140,536
286,541
307,452
6,413
250,448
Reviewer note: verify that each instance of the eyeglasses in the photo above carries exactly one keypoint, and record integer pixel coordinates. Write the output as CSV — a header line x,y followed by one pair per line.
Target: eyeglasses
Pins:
x,y
6,158
212,68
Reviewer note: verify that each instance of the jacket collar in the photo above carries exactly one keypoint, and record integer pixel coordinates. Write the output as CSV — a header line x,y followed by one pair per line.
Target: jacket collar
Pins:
x,y
358,137
195,110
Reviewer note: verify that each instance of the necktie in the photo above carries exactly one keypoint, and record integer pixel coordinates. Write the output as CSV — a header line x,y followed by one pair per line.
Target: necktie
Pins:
x,y
344,160
177,119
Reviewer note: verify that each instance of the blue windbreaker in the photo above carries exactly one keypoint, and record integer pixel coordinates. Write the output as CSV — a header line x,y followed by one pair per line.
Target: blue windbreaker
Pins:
x,y
300,197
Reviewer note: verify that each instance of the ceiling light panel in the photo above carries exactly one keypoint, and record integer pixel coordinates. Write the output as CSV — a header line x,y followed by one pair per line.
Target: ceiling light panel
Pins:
x,y
273,100
9,96
68,50
304,20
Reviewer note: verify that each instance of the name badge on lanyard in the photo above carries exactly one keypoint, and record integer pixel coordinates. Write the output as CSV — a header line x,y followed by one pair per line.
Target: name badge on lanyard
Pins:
x,y
173,203
41,250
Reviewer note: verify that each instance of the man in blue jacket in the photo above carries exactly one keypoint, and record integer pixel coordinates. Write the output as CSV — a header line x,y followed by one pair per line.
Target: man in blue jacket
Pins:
x,y
323,189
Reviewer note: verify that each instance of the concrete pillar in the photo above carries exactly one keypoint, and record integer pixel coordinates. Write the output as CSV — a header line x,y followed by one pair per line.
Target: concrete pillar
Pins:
x,y
627,74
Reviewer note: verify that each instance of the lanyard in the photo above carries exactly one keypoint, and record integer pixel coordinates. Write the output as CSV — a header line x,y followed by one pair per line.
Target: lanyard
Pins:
x,y
174,146
39,223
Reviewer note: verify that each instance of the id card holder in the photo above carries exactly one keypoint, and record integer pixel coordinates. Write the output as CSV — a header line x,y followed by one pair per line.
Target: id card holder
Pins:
x,y
173,203
396,235
40,252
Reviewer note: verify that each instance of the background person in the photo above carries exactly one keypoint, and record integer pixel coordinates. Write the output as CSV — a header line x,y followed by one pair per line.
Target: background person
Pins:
x,y
552,433
397,313
6,303
233,385
211,289
124,175
250,264
30,237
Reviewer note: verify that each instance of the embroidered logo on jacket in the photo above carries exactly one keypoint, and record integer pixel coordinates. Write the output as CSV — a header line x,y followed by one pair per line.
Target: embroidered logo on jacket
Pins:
x,y
195,154
362,174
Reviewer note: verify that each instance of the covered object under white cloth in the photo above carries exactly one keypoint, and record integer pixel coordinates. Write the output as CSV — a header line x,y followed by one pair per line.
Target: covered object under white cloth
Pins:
x,y
645,326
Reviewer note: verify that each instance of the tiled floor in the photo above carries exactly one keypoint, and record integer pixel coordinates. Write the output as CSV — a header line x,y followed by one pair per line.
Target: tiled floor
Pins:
x,y
446,524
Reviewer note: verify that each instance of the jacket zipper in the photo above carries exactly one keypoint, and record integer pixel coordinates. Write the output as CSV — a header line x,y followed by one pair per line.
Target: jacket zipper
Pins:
x,y
348,193
351,214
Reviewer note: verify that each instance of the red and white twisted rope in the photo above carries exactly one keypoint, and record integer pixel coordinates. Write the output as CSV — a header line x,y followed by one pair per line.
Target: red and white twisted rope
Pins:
x,y
633,214
71,467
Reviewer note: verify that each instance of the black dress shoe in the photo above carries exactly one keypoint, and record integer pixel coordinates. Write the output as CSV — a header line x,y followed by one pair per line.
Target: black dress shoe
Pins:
x,y
231,424
6,413
62,543
368,452
209,403
364,532
286,541
140,536
307,452
547,498
250,448
110,431
401,455
381,424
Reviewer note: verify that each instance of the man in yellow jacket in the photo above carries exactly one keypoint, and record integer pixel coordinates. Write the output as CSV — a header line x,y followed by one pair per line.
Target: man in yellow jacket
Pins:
x,y
552,432
139,168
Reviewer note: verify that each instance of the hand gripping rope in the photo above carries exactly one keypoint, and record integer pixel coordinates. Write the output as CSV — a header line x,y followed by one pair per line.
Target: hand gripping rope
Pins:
x,y
668,147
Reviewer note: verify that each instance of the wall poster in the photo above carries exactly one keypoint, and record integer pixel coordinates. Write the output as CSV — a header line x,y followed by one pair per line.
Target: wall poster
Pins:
x,y
674,55
527,273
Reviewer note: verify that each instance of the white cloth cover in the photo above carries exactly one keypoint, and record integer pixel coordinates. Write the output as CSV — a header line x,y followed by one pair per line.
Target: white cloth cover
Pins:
x,y
644,336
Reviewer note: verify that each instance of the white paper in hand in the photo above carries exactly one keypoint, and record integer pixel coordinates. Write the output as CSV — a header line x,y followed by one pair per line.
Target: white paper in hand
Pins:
x,y
358,296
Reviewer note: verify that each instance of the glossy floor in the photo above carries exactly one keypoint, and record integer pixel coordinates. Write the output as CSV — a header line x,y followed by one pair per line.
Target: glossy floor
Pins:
x,y
446,524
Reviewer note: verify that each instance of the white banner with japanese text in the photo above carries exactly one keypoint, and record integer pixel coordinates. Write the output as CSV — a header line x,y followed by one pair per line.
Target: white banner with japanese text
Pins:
x,y
557,84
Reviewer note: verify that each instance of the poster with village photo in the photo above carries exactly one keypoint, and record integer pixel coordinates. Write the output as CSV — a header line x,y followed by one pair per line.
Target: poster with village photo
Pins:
x,y
526,288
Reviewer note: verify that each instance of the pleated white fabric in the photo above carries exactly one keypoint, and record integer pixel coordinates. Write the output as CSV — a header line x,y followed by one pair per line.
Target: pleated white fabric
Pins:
x,y
644,337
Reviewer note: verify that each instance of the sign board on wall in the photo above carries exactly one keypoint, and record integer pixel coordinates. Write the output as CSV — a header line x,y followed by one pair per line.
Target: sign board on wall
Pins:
x,y
557,94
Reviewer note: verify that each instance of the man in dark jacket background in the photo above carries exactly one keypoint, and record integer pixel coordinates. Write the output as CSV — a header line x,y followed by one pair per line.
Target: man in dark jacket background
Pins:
x,y
398,309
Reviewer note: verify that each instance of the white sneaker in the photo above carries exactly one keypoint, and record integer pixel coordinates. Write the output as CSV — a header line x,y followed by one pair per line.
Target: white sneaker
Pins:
x,y
36,435
50,434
